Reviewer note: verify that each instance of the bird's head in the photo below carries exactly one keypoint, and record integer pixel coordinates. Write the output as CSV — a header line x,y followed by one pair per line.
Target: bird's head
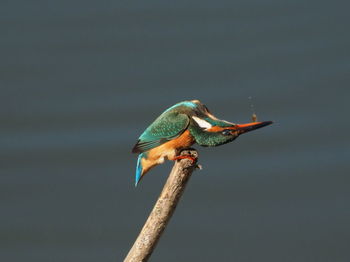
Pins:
x,y
235,130
219,131
216,131
206,120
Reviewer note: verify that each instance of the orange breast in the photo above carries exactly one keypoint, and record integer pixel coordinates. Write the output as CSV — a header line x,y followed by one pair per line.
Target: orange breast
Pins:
x,y
165,151
183,141
168,149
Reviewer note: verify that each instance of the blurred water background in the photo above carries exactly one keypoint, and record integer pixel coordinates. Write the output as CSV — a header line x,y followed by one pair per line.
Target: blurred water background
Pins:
x,y
81,80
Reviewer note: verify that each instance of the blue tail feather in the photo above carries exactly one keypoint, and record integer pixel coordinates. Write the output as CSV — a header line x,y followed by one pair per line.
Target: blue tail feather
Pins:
x,y
138,170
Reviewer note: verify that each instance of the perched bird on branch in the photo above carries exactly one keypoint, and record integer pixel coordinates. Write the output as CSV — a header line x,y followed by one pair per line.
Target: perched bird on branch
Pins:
x,y
181,126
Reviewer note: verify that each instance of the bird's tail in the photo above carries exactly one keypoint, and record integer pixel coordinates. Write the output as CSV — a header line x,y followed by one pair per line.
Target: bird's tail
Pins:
x,y
139,169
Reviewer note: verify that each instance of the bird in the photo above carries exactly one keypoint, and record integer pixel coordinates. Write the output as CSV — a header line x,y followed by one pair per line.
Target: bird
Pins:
x,y
181,126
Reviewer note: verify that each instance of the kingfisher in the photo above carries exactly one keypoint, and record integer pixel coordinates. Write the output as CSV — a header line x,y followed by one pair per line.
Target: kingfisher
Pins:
x,y
181,126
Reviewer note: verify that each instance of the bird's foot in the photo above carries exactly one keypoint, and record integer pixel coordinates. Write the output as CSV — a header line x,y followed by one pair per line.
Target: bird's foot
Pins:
x,y
193,159
190,154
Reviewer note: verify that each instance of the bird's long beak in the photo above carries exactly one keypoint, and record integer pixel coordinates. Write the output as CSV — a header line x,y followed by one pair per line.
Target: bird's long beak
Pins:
x,y
243,128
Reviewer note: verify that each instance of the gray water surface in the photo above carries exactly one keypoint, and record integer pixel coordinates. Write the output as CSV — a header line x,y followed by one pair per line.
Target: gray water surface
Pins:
x,y
81,80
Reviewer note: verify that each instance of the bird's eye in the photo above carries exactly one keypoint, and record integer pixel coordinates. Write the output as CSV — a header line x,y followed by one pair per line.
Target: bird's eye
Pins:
x,y
226,132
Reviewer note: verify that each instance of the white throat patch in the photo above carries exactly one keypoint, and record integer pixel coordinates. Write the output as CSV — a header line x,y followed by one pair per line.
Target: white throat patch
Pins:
x,y
202,123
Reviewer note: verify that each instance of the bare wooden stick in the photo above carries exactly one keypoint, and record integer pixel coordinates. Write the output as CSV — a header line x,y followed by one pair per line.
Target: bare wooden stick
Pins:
x,y
163,209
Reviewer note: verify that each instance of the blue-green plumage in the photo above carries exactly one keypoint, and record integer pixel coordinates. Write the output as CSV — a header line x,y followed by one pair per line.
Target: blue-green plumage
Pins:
x,y
167,126
139,168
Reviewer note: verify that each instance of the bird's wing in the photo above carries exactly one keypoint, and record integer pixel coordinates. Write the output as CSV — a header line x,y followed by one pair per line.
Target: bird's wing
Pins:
x,y
166,127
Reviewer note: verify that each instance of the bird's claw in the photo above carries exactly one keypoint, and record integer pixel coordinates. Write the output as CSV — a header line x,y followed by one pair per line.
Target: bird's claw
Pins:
x,y
193,159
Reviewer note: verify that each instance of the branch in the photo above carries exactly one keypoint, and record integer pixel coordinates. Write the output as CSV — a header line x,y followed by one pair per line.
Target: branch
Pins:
x,y
163,209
